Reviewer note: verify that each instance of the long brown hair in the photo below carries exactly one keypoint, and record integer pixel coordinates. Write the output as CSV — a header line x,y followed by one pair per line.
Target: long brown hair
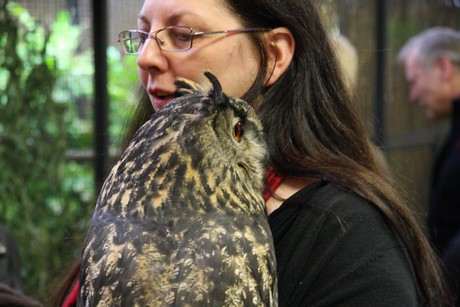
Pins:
x,y
313,129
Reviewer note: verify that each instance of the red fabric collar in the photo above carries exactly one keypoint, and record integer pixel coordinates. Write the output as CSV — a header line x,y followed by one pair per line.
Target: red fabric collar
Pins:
x,y
71,299
273,182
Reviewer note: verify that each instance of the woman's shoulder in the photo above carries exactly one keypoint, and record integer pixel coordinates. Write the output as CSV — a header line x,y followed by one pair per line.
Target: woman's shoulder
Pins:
x,y
329,200
333,215
343,243
343,203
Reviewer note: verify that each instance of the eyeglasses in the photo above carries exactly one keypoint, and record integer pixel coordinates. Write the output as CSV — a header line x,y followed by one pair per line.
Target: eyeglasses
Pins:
x,y
172,39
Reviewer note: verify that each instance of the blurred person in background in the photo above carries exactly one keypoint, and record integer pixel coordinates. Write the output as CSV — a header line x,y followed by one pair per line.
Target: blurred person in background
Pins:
x,y
11,291
9,260
431,62
347,57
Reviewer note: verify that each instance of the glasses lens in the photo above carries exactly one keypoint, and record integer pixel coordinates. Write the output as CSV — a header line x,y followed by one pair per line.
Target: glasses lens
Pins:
x,y
175,38
131,41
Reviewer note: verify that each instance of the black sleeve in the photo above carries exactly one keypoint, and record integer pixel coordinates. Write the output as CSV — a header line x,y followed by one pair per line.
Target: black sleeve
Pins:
x,y
338,250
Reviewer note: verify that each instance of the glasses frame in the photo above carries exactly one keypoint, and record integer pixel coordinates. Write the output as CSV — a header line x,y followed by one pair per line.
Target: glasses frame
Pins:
x,y
154,35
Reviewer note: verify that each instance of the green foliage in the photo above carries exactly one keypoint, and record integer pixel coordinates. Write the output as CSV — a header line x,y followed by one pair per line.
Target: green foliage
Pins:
x,y
30,182
46,90
123,83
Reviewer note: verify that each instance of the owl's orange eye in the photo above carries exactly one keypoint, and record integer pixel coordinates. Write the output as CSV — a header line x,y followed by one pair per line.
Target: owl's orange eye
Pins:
x,y
238,131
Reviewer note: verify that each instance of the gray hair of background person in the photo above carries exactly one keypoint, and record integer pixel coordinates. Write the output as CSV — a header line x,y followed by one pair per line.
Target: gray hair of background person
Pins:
x,y
433,44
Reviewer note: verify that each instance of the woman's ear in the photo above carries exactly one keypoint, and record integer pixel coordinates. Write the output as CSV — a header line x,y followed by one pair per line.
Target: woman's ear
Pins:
x,y
280,52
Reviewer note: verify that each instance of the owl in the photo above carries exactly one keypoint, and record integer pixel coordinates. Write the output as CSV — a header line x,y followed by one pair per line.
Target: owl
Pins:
x,y
180,219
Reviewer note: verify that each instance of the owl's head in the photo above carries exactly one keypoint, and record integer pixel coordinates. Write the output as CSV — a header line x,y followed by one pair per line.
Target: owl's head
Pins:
x,y
223,132
218,137
201,144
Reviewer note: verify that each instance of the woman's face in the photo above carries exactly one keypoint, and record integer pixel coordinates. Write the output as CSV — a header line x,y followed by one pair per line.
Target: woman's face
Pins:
x,y
233,58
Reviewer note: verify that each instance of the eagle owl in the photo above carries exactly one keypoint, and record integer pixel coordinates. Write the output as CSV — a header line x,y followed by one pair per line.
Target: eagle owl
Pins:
x,y
180,220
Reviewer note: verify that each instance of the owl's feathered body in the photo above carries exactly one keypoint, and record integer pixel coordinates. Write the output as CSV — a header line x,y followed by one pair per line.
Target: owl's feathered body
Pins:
x,y
180,220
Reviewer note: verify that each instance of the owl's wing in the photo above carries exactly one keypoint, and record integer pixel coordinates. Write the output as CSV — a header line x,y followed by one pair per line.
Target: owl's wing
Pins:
x,y
226,261
121,261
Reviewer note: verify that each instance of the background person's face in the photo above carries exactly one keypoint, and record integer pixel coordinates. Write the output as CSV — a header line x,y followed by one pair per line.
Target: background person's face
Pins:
x,y
231,57
426,88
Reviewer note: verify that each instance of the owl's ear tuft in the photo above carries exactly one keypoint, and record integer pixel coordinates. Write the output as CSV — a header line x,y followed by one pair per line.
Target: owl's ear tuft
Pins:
x,y
216,90
212,87
216,87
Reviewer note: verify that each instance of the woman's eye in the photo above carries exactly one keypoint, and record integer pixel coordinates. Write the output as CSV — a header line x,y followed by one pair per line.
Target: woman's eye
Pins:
x,y
184,37
142,37
238,131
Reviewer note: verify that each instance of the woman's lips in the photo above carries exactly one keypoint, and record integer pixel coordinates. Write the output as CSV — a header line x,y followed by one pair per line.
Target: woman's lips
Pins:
x,y
160,98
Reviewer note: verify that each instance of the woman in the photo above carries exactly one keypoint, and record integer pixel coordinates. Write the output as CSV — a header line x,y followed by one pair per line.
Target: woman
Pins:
x,y
342,234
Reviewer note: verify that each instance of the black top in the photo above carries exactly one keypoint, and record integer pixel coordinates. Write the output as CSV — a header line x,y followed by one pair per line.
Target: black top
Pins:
x,y
334,248
444,206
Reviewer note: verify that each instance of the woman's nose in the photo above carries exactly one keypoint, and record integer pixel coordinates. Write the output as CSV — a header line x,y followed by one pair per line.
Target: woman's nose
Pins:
x,y
150,56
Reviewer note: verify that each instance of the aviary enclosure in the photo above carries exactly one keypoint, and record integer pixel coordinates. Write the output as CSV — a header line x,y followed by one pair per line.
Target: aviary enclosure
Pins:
x,y
66,94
